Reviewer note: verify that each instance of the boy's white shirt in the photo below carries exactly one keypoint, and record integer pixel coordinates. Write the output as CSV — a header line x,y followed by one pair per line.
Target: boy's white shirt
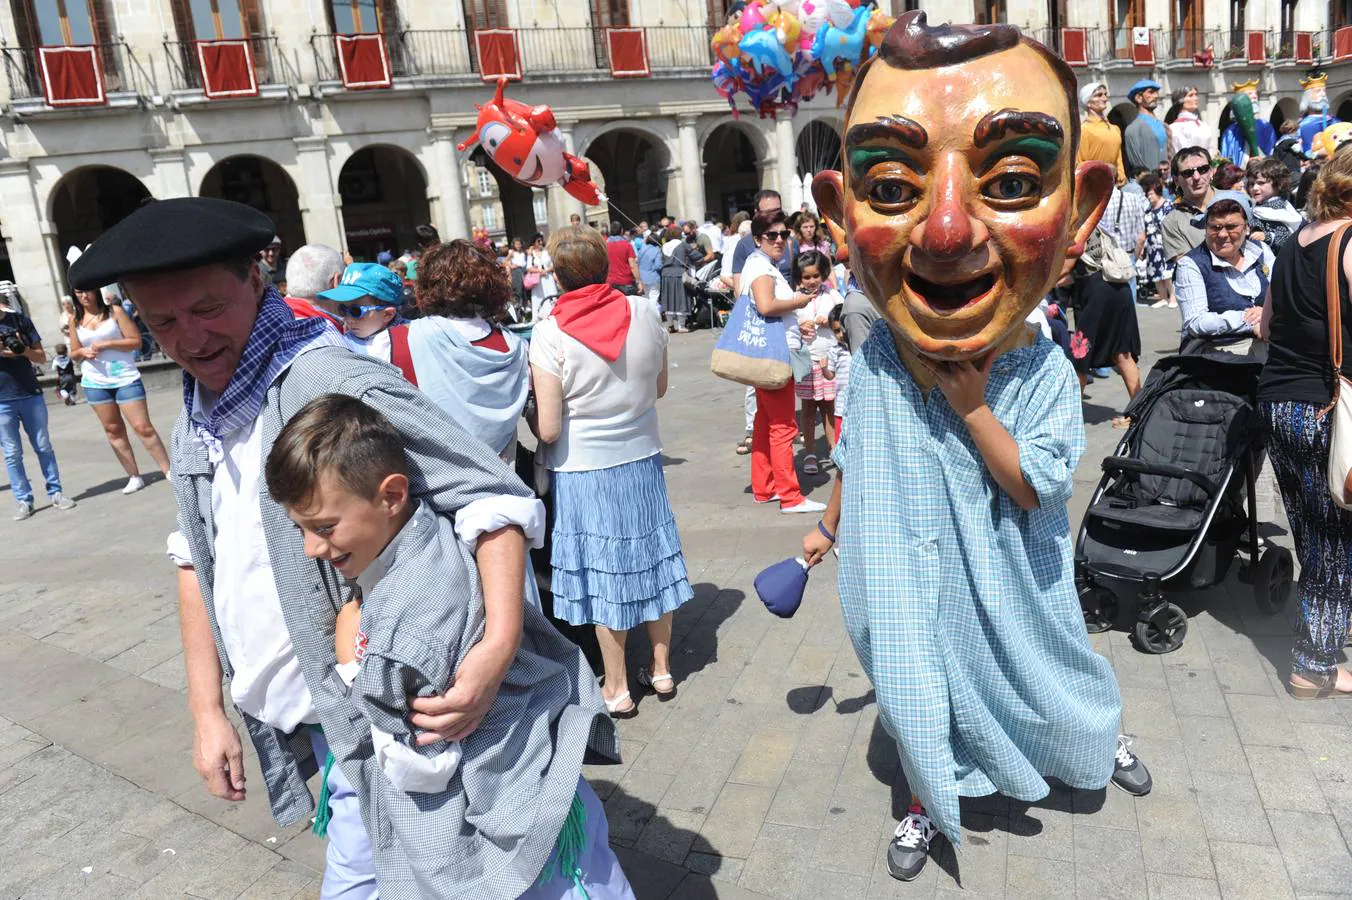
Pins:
x,y
406,768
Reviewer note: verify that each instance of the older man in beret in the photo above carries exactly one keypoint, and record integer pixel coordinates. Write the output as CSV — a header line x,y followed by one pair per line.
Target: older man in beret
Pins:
x,y
253,607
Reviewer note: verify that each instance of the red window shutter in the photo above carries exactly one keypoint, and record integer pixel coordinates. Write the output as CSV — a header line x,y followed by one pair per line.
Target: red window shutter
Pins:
x,y
1342,43
1304,47
227,69
1142,47
363,61
71,76
1075,46
628,52
499,56
1255,44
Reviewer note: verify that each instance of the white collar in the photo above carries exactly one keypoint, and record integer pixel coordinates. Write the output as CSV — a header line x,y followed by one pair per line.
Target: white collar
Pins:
x,y
1245,259
421,519
472,328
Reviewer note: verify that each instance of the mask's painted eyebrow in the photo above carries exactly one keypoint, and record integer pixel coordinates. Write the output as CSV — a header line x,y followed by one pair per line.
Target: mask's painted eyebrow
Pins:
x,y
1040,150
895,129
995,125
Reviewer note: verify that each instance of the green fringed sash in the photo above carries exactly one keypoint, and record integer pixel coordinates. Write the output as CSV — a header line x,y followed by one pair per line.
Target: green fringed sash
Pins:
x,y
322,812
569,848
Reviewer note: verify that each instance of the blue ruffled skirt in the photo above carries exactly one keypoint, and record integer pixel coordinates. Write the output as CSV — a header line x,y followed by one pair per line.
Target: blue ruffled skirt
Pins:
x,y
616,556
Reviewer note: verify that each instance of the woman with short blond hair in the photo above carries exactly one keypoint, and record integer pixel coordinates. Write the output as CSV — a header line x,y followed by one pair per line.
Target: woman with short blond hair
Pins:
x,y
599,364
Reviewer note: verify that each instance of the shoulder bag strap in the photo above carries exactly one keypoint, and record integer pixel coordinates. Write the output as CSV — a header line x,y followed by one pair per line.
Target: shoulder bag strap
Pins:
x,y
400,355
1333,297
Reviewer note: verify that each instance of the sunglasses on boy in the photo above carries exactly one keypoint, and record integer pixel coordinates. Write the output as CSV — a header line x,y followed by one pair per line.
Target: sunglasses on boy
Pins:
x,y
355,311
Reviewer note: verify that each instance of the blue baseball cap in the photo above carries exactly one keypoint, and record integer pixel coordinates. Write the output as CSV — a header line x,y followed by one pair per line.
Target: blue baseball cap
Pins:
x,y
1145,84
1199,220
384,287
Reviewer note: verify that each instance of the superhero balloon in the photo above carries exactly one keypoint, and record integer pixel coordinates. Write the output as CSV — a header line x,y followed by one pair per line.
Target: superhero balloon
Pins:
x,y
525,143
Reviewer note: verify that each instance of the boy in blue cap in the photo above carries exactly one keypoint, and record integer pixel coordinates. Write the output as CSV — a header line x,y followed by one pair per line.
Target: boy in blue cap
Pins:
x,y
368,298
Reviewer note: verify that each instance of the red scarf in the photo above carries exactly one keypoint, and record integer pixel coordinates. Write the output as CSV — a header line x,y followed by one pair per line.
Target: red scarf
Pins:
x,y
597,316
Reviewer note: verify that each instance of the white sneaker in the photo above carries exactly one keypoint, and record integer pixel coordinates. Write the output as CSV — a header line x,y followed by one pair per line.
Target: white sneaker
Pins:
x,y
134,484
807,506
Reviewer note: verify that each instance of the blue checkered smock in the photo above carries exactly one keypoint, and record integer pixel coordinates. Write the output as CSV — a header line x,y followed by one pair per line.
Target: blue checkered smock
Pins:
x,y
962,606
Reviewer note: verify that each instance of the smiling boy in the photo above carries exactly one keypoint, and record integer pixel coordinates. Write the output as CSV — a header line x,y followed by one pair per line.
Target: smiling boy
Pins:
x,y
962,206
503,812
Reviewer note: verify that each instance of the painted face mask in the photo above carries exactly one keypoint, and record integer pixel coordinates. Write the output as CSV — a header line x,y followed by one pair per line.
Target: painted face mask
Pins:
x,y
960,197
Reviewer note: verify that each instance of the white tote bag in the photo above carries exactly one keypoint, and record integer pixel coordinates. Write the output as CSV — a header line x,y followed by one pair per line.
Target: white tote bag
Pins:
x,y
1340,443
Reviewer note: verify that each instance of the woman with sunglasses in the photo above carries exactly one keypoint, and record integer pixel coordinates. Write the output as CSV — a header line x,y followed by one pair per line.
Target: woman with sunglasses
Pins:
x,y
772,474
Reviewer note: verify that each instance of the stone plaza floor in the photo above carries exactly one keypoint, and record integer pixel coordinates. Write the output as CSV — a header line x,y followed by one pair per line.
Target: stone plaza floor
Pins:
x,y
769,776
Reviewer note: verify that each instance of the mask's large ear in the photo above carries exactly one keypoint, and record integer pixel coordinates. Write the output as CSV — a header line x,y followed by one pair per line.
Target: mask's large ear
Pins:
x,y
828,190
1093,189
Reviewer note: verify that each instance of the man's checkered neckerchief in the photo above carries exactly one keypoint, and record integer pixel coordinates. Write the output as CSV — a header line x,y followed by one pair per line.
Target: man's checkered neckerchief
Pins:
x,y
277,338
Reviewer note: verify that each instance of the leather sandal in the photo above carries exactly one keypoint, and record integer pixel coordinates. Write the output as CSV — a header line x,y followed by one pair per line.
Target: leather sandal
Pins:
x,y
1321,687
652,681
617,708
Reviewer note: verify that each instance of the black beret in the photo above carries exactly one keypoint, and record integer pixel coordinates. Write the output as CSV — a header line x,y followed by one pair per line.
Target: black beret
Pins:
x,y
165,235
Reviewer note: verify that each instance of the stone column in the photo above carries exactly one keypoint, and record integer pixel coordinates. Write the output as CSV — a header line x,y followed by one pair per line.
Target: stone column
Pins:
x,y
454,211
692,168
317,193
171,168
790,188
26,233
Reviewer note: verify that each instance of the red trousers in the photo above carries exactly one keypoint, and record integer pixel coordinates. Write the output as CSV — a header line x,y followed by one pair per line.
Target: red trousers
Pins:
x,y
776,426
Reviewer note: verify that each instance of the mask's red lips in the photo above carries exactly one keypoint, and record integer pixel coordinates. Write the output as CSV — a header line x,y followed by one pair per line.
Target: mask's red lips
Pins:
x,y
950,298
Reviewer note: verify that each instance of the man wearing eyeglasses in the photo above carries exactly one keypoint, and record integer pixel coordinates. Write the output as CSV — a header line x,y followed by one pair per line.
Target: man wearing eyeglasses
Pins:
x,y
1191,169
368,300
1223,282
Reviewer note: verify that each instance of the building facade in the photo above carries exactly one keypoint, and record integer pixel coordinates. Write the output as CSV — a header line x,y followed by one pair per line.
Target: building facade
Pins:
x,y
340,118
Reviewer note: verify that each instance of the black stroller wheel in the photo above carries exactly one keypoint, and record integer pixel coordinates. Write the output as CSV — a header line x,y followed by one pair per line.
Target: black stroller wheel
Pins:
x,y
1162,630
1100,609
1272,579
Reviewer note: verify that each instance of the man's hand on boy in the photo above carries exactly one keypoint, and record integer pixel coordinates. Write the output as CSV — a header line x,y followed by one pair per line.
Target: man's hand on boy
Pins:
x,y
455,714
218,756
964,384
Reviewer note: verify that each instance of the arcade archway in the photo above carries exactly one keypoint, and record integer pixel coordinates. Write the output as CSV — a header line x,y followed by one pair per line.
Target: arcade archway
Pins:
x,y
524,212
817,148
384,195
731,175
89,201
633,166
264,185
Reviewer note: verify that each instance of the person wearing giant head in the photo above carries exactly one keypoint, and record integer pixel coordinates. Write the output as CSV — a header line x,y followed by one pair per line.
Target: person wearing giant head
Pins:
x,y
1314,109
253,608
962,206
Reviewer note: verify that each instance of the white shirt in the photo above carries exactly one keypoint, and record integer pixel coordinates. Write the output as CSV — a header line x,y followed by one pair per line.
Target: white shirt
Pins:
x,y
268,683
714,234
377,346
759,264
609,408
819,309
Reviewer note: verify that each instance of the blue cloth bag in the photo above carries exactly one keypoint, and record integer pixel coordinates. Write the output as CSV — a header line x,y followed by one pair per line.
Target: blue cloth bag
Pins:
x,y
753,349
781,586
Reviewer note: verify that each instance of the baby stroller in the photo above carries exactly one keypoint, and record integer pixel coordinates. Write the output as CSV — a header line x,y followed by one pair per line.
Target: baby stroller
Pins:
x,y
1176,502
708,295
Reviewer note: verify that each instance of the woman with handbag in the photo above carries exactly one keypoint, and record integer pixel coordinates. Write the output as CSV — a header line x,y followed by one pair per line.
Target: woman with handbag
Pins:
x,y
539,278
773,477
1305,321
1106,331
599,363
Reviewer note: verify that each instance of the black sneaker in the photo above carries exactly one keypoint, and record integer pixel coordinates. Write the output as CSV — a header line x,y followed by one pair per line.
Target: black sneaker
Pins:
x,y
910,845
1129,773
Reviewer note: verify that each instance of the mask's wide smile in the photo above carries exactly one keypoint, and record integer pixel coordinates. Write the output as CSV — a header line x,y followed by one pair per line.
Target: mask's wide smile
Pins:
x,y
946,299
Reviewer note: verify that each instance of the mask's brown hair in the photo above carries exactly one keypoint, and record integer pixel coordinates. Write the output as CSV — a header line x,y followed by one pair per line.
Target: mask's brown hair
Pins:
x,y
339,435
912,43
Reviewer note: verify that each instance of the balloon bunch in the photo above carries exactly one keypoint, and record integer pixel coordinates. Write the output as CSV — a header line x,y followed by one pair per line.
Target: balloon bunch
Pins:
x,y
782,52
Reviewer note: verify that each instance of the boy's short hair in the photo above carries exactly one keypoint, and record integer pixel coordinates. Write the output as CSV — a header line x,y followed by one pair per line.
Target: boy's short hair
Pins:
x,y
61,349
338,434
1272,169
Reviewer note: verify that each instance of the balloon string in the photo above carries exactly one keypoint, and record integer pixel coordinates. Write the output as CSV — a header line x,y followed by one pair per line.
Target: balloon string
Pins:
x,y
611,204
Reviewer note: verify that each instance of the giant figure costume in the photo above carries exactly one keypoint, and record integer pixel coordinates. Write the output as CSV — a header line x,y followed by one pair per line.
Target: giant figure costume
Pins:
x,y
1248,134
1314,110
962,206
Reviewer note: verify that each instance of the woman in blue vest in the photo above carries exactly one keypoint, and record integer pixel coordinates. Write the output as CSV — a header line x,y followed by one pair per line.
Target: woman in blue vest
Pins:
x,y
1222,283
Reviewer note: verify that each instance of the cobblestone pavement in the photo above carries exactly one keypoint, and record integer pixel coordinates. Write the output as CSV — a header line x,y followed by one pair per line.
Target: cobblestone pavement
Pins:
x,y
768,776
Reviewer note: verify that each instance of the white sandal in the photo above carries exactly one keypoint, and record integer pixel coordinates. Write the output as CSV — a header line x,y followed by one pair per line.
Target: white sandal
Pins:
x,y
651,681
613,706
811,466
